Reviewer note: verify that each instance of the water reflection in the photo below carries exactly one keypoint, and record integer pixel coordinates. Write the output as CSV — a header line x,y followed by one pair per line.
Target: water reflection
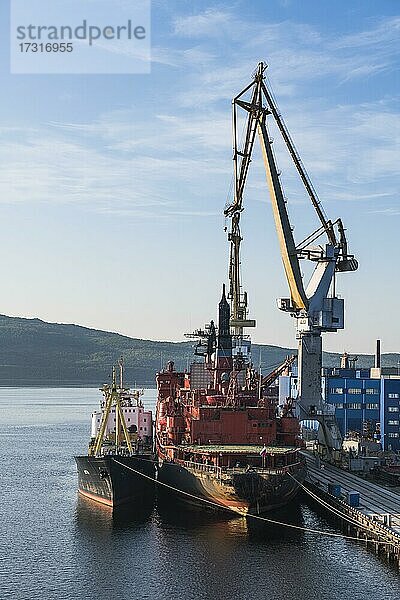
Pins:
x,y
175,514
91,516
291,514
172,512
98,520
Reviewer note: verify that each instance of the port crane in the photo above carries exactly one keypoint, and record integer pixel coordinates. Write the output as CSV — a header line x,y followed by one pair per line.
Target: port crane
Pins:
x,y
315,306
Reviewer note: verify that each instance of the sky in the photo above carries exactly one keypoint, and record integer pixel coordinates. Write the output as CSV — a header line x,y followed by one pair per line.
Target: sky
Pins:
x,y
112,187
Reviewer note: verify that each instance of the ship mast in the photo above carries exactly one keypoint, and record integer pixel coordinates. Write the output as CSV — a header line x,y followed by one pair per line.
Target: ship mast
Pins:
x,y
121,372
112,397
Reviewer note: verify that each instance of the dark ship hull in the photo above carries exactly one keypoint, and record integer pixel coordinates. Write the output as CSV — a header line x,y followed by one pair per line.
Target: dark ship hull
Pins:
x,y
252,492
106,481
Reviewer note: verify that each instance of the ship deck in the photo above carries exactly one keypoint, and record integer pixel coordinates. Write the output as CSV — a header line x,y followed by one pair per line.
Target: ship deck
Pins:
x,y
236,449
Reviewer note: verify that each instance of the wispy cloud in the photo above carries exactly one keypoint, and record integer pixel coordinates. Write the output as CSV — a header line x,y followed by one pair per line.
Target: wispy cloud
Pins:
x,y
212,22
306,55
389,212
123,161
387,31
98,166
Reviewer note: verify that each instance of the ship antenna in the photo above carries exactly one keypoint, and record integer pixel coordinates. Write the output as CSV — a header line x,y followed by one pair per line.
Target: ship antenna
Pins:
x,y
114,380
121,372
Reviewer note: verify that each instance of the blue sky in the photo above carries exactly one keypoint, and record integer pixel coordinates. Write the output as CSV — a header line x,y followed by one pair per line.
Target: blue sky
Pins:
x,y
112,187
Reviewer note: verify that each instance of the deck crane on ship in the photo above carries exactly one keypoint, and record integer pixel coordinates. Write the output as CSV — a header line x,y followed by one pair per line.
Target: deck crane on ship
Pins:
x,y
315,306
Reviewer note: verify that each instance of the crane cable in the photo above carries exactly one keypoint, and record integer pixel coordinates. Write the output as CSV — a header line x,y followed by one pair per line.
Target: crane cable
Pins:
x,y
249,515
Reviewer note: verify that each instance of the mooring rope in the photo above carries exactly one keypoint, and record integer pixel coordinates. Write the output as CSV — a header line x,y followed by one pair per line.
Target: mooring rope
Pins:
x,y
241,513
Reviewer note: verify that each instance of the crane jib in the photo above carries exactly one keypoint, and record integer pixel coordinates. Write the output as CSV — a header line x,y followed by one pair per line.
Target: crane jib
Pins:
x,y
284,230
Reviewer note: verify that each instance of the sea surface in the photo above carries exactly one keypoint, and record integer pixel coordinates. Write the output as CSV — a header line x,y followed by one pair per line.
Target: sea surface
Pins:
x,y
54,545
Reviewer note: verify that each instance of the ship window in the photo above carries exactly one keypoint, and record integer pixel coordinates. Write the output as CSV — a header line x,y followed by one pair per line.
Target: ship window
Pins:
x,y
393,422
354,391
393,435
337,390
372,406
354,405
371,391
393,395
393,409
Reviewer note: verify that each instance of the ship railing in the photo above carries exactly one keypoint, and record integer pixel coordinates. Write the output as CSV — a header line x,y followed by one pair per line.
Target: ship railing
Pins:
x,y
225,472
262,470
203,468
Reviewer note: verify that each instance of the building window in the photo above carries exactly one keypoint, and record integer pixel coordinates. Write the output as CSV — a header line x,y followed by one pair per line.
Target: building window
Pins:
x,y
354,391
393,395
393,422
371,391
393,435
144,420
354,405
393,409
336,390
372,406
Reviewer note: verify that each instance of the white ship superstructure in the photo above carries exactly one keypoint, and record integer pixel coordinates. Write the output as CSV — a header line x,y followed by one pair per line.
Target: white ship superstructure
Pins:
x,y
138,420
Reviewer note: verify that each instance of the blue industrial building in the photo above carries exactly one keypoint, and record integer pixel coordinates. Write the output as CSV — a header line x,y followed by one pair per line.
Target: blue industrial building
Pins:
x,y
389,413
366,400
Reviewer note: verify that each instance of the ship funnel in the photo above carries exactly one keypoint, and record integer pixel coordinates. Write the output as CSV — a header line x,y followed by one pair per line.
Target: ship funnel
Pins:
x,y
224,316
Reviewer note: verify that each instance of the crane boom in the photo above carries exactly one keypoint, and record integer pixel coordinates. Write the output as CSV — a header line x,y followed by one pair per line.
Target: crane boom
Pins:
x,y
282,224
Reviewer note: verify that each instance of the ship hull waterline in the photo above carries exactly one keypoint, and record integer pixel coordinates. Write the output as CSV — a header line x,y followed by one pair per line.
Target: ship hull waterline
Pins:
x,y
110,481
247,493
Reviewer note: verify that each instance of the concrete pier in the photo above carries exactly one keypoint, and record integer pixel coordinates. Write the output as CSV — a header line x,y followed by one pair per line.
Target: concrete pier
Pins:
x,y
376,519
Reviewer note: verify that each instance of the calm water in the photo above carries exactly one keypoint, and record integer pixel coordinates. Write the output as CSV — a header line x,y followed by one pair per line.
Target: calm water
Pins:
x,y
56,546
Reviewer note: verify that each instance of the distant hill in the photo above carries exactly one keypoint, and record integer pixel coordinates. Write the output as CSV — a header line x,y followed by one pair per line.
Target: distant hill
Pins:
x,y
33,352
